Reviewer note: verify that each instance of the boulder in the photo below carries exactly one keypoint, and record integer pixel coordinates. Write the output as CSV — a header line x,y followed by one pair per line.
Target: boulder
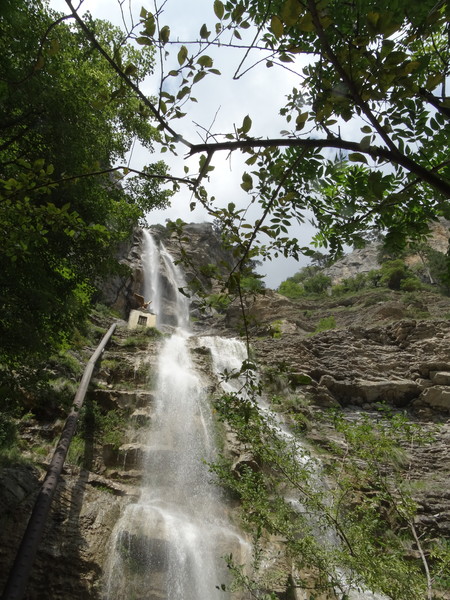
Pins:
x,y
397,392
437,396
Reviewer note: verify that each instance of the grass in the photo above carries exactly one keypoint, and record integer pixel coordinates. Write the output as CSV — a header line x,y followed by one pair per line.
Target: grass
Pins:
x,y
325,324
76,451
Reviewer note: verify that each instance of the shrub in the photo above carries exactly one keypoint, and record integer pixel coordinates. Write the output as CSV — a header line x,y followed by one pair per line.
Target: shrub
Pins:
x,y
219,302
325,324
393,272
410,284
317,284
291,289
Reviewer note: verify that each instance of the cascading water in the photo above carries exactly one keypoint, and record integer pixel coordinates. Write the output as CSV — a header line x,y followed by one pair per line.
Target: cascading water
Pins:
x,y
162,280
169,545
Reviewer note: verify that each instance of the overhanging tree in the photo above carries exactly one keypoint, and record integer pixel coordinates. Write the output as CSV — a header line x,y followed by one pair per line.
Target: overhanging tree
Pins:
x,y
67,119
383,66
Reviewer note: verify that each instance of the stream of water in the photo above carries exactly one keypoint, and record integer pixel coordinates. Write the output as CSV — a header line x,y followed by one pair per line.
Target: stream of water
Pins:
x,y
169,545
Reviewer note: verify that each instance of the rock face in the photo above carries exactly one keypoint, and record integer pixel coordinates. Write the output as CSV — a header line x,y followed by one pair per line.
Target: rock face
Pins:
x,y
118,291
362,260
385,348
199,247
365,259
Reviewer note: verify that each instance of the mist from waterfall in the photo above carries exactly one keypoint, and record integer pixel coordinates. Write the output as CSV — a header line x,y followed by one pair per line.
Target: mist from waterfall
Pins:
x,y
169,545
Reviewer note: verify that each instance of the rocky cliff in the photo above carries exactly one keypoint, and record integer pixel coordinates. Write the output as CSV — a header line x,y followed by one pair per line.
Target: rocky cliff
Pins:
x,y
365,259
382,348
197,248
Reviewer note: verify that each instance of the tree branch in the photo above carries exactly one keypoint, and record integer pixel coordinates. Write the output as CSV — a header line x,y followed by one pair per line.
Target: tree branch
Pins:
x,y
424,174
164,178
156,113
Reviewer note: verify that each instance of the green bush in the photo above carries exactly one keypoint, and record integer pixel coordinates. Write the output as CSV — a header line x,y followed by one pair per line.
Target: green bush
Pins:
x,y
394,272
317,284
325,324
291,289
219,302
410,284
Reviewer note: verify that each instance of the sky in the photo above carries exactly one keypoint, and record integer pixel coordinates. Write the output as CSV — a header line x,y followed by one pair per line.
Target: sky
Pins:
x,y
222,101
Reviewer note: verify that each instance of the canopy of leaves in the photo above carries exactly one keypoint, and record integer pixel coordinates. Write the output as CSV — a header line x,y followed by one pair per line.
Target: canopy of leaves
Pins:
x,y
66,115
381,65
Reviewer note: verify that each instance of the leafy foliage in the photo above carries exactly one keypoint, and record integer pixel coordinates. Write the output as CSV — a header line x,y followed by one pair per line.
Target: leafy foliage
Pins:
x,y
349,534
67,120
381,65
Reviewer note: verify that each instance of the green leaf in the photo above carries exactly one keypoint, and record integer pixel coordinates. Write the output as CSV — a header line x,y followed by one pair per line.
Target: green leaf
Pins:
x,y
290,12
144,41
204,33
247,182
199,76
150,25
365,142
130,69
306,23
205,61
219,9
301,120
246,124
182,55
276,26
357,157
183,92
164,34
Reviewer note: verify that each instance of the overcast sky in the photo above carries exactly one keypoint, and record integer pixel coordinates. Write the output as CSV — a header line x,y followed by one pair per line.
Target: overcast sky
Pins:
x,y
260,94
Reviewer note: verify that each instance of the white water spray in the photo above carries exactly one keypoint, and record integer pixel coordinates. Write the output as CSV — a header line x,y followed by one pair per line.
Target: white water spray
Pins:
x,y
162,281
170,543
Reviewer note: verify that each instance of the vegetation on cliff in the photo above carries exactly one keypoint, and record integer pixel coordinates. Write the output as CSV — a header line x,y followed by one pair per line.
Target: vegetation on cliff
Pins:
x,y
67,120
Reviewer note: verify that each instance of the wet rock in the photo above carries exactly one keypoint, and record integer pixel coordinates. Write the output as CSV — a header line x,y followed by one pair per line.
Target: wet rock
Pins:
x,y
140,418
143,552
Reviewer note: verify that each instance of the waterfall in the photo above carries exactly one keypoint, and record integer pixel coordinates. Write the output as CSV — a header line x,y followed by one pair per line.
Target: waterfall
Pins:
x,y
152,277
162,281
169,544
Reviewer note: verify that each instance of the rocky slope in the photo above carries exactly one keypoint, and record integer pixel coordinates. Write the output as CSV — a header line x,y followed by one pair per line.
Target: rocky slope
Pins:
x,y
384,347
